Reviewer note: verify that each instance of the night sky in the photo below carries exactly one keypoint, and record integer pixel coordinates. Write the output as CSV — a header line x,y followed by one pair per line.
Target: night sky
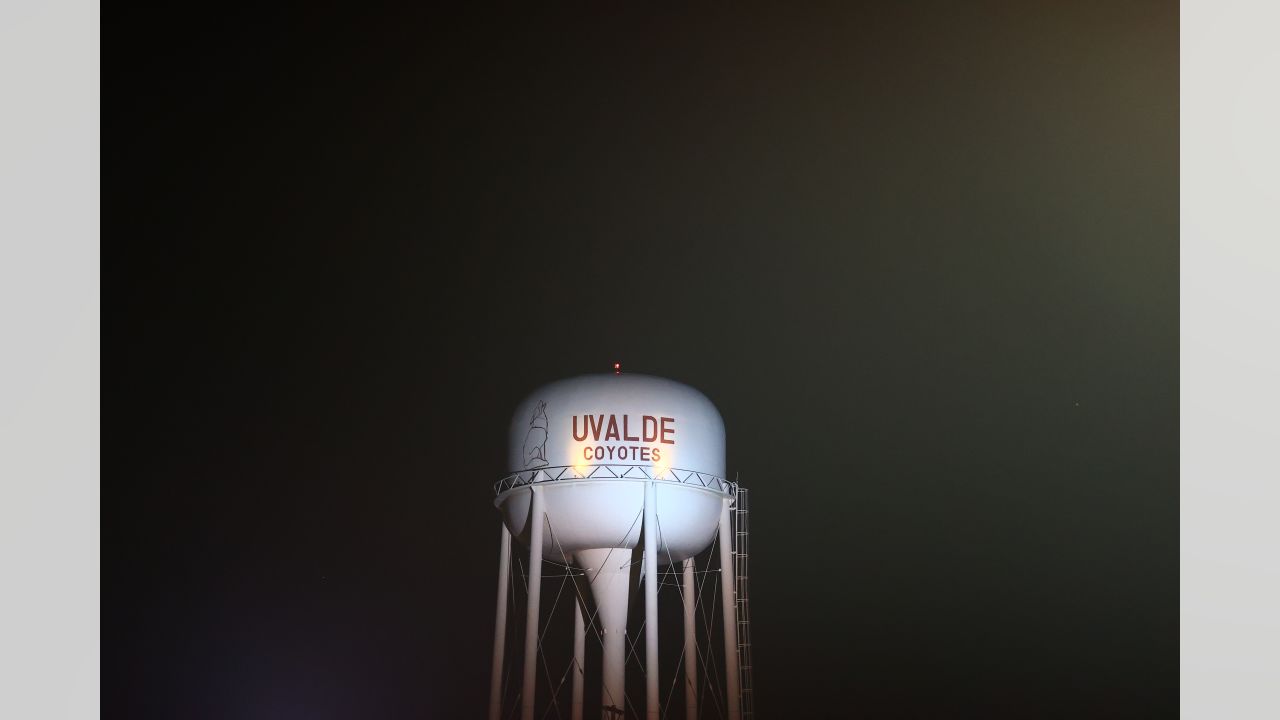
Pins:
x,y
923,257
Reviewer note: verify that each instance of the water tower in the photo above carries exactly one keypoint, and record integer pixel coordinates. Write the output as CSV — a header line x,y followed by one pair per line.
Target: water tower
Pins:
x,y
612,477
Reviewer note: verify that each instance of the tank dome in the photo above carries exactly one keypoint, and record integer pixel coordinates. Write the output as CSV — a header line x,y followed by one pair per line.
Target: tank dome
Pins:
x,y
612,419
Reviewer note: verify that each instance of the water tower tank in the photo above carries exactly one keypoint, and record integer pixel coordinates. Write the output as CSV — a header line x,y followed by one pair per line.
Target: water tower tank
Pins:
x,y
599,437
614,475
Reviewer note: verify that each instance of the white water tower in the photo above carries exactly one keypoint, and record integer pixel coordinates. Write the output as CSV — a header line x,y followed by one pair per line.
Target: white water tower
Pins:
x,y
604,468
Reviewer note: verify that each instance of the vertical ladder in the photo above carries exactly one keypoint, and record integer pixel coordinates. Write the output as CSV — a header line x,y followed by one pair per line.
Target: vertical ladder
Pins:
x,y
743,603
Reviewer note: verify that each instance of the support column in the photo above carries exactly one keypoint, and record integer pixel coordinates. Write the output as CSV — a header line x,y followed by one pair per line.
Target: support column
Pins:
x,y
652,709
610,574
536,521
729,610
579,657
500,625
690,645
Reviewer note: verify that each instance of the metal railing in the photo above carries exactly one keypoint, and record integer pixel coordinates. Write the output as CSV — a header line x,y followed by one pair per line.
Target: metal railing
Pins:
x,y
557,473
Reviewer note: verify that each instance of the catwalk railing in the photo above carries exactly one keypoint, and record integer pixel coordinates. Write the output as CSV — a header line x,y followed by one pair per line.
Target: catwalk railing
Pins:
x,y
558,473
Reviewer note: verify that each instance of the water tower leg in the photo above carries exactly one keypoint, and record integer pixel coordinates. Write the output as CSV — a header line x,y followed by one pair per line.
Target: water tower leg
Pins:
x,y
500,625
579,657
536,521
729,609
690,645
652,709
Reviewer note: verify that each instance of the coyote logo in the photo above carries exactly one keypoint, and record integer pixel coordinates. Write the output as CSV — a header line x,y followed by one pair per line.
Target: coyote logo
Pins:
x,y
535,442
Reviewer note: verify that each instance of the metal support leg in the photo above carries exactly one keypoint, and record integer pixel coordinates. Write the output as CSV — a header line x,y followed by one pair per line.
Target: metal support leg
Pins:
x,y
500,625
690,645
652,709
579,657
729,609
536,521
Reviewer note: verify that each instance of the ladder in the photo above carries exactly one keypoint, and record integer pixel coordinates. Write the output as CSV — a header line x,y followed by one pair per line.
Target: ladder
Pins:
x,y
742,603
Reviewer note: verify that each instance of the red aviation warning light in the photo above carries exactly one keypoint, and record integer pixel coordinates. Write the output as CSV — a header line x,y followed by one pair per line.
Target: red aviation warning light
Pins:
x,y
617,368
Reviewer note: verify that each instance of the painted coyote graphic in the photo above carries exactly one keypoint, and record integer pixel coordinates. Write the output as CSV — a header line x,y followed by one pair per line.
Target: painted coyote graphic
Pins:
x,y
535,442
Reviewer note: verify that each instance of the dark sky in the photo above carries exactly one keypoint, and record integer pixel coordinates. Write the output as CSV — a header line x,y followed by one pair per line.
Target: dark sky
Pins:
x,y
922,256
